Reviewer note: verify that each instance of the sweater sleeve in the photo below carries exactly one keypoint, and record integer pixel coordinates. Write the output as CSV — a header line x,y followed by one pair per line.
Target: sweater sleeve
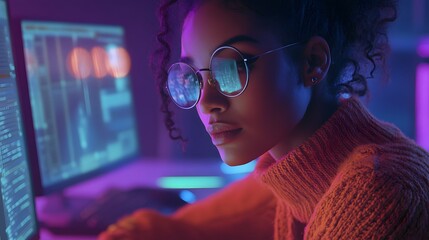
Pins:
x,y
243,210
375,196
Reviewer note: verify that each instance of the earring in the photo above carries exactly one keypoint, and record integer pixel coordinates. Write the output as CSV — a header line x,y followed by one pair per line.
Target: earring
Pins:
x,y
314,80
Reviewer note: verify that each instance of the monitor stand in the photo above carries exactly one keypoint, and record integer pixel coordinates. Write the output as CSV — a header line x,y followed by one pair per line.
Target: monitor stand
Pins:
x,y
68,215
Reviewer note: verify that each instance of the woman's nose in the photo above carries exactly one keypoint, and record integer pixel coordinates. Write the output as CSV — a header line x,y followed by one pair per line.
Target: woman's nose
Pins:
x,y
211,99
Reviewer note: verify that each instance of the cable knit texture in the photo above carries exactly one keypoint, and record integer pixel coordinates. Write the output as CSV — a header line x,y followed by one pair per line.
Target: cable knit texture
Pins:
x,y
355,178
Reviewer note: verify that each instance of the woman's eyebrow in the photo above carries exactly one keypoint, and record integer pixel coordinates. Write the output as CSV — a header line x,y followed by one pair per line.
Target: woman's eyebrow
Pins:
x,y
230,41
239,38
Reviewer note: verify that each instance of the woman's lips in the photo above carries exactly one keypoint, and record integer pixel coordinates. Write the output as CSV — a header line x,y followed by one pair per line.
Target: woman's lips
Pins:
x,y
222,133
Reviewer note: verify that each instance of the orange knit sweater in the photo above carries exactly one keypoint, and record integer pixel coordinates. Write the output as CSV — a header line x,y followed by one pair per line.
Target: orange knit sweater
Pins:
x,y
355,178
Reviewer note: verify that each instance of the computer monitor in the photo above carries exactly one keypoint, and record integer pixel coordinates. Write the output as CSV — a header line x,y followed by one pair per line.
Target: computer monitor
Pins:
x,y
17,209
82,110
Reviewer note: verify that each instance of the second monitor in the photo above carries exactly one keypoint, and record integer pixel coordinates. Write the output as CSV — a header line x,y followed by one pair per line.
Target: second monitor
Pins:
x,y
80,114
81,100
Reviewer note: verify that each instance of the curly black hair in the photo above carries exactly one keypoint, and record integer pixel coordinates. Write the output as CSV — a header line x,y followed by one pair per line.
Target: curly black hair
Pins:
x,y
354,29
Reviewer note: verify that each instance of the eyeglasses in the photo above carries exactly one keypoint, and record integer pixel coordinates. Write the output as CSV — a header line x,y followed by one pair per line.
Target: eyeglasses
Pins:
x,y
229,72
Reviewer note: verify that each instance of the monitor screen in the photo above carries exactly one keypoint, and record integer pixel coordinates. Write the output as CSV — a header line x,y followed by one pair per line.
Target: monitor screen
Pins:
x,y
17,209
81,101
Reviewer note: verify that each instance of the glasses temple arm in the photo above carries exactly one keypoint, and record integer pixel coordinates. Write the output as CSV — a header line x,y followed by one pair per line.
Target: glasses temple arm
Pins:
x,y
254,58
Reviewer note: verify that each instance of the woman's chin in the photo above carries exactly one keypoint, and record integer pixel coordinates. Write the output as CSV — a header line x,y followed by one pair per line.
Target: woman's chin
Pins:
x,y
232,159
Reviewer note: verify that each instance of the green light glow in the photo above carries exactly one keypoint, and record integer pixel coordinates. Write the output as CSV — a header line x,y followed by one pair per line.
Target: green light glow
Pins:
x,y
187,182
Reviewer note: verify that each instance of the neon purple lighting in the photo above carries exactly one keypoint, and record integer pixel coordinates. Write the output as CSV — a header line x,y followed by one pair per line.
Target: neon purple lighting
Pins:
x,y
423,48
422,105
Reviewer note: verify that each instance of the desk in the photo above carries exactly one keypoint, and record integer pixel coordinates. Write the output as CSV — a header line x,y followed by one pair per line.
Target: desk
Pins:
x,y
141,173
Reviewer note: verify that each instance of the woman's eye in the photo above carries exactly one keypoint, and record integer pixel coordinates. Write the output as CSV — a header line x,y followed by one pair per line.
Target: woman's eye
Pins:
x,y
241,65
189,76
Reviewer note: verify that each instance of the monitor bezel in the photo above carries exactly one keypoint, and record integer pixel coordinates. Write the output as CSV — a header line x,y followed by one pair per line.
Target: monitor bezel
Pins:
x,y
21,72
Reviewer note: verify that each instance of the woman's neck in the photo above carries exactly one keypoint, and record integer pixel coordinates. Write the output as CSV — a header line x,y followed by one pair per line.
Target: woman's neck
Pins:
x,y
319,110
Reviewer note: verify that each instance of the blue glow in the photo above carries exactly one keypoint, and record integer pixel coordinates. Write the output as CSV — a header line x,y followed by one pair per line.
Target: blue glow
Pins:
x,y
246,168
188,196
345,95
188,182
226,73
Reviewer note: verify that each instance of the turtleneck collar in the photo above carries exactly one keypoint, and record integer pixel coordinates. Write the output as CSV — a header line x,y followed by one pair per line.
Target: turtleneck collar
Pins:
x,y
301,177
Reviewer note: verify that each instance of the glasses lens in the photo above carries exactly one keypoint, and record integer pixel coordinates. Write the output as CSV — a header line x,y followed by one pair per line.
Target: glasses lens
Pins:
x,y
183,85
229,70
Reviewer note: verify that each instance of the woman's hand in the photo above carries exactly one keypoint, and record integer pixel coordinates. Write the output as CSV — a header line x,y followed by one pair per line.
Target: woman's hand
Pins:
x,y
124,229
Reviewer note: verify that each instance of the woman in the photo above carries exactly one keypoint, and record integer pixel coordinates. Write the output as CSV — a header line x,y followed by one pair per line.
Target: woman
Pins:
x,y
279,80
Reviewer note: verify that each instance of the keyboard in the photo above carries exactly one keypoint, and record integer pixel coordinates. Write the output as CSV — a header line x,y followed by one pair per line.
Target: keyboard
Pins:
x,y
97,215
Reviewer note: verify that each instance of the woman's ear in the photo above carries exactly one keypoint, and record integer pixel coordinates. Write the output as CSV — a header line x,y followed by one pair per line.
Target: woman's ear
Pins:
x,y
317,60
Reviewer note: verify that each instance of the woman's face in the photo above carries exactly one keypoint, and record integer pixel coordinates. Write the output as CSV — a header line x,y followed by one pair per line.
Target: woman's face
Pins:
x,y
262,118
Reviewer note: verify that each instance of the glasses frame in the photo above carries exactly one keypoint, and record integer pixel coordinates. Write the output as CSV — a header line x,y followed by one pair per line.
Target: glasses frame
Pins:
x,y
197,72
